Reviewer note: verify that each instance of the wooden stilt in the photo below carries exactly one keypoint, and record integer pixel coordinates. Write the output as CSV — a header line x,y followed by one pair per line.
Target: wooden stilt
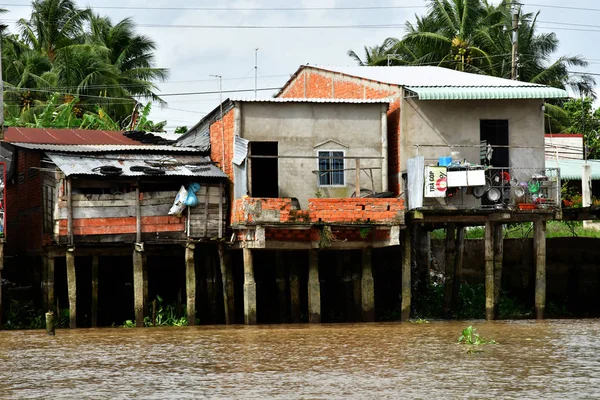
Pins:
x,y
228,288
138,284
449,271
356,288
314,288
145,274
95,261
249,288
72,287
44,283
367,286
540,268
489,271
190,283
50,284
406,276
210,289
458,264
282,283
498,259
50,323
295,294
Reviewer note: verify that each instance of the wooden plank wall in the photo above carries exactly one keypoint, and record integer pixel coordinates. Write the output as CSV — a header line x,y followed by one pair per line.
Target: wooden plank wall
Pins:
x,y
115,214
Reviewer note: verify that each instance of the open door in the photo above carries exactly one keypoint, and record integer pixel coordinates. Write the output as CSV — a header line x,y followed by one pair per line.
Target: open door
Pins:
x,y
495,133
264,173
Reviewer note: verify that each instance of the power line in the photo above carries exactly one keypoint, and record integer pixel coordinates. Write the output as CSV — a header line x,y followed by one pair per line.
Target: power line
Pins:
x,y
343,8
562,7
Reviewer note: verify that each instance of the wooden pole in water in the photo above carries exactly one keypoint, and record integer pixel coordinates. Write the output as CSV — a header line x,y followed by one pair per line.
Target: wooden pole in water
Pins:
x,y
458,264
190,280
249,288
72,287
406,276
138,284
145,276
449,270
281,281
367,294
422,239
295,293
50,285
540,268
50,323
314,288
95,261
489,271
228,288
498,259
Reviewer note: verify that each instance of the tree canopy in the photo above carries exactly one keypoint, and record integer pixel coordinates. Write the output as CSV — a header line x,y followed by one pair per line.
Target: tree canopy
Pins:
x,y
66,51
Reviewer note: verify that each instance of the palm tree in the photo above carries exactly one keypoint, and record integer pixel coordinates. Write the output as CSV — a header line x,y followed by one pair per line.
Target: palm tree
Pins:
x,y
53,24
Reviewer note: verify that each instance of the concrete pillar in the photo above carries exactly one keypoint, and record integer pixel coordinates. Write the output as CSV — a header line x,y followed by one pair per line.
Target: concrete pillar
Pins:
x,y
228,288
406,277
190,283
586,188
314,288
282,283
145,272
540,268
489,271
95,261
367,286
50,285
449,270
249,288
72,287
138,284
498,259
295,294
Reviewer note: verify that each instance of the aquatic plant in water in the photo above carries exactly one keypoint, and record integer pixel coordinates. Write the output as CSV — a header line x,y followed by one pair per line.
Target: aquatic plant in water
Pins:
x,y
471,337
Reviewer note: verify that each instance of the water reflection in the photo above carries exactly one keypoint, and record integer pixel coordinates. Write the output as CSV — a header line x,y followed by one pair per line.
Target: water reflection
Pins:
x,y
551,359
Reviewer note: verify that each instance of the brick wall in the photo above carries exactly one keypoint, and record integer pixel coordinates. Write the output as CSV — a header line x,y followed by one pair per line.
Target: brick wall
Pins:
x,y
319,85
216,143
343,210
24,206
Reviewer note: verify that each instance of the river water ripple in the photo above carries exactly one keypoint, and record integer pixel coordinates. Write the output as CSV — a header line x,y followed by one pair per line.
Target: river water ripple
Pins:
x,y
548,359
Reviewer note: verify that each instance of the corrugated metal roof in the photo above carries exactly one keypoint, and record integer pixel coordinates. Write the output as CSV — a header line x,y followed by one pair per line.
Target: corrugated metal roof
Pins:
x,y
572,169
486,93
65,136
199,139
173,165
422,76
310,100
74,148
240,150
438,77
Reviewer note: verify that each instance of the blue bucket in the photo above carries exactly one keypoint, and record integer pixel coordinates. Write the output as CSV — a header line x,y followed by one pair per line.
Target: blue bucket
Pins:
x,y
444,161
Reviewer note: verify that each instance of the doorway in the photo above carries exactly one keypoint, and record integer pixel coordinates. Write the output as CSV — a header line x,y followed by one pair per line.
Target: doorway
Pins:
x,y
495,133
264,172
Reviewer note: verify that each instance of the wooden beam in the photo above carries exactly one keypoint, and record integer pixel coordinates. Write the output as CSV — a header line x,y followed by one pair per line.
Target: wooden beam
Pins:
x,y
489,271
249,288
540,268
72,288
220,210
449,270
406,276
138,285
314,288
190,280
498,260
228,288
95,262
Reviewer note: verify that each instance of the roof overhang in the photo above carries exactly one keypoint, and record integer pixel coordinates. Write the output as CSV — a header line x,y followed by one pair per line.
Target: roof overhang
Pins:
x,y
485,93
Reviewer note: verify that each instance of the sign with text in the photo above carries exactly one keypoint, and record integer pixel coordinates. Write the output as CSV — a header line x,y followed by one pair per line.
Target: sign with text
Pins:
x,y
435,181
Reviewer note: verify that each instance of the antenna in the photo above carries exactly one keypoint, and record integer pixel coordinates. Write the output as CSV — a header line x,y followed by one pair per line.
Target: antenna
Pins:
x,y
255,73
222,122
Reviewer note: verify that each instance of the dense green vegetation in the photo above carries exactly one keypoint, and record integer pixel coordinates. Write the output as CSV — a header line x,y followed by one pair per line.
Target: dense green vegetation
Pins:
x,y
67,58
554,229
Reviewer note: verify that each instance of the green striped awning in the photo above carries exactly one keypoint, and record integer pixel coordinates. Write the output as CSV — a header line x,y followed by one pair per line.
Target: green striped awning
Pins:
x,y
486,92
572,169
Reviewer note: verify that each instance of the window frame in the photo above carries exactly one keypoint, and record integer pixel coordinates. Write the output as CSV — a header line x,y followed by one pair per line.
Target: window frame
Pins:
x,y
343,167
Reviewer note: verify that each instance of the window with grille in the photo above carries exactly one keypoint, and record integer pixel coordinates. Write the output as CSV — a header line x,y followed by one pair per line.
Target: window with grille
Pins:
x,y
331,168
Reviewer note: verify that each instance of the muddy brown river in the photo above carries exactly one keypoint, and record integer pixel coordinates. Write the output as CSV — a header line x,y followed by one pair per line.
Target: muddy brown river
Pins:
x,y
549,359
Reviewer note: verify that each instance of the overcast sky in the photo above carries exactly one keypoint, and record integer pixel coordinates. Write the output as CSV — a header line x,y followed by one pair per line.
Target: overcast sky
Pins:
x,y
194,54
